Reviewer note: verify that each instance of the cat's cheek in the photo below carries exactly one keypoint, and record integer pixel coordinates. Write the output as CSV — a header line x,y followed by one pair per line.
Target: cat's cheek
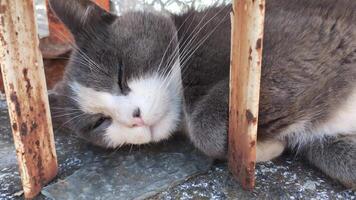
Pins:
x,y
164,129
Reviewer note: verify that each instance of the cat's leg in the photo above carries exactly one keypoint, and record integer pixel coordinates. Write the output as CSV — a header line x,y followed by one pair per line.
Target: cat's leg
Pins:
x,y
336,157
207,123
208,127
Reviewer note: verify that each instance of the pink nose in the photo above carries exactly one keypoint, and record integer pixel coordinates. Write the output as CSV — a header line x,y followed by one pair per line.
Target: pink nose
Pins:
x,y
138,121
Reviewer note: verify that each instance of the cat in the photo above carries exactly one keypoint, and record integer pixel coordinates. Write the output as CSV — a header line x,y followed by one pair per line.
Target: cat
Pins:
x,y
143,76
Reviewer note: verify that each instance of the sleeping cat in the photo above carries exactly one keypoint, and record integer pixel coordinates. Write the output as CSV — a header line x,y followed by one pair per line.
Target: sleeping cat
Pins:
x,y
142,76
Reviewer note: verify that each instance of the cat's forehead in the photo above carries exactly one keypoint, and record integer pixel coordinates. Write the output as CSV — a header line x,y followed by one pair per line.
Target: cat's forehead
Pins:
x,y
142,37
144,24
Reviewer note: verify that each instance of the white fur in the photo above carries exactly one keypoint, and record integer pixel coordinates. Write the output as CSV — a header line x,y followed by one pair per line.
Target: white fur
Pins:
x,y
158,98
342,121
269,149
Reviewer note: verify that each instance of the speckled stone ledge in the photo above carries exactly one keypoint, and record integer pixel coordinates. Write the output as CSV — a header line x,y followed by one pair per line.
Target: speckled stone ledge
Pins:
x,y
135,174
285,178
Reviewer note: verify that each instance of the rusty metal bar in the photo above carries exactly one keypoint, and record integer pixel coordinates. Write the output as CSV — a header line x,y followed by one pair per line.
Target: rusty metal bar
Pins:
x,y
105,4
247,21
59,40
26,94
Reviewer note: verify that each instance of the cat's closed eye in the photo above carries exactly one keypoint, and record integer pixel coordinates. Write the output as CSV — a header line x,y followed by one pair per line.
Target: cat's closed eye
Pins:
x,y
101,122
121,80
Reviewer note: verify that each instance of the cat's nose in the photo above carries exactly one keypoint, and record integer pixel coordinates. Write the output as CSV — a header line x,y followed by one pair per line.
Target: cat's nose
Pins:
x,y
136,113
138,121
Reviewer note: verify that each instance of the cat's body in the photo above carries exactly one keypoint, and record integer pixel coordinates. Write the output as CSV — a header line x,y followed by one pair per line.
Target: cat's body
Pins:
x,y
123,92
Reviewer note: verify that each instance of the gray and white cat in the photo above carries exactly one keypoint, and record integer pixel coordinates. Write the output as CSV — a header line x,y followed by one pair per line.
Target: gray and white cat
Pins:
x,y
142,76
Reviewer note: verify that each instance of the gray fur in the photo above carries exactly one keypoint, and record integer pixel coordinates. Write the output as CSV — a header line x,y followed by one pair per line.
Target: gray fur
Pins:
x,y
134,42
205,123
308,72
335,157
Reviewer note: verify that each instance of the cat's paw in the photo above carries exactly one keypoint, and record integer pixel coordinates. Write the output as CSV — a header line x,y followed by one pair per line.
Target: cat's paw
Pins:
x,y
336,157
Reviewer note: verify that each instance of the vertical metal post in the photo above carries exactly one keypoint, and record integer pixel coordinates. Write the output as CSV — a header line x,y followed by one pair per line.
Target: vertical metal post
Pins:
x,y
247,21
26,94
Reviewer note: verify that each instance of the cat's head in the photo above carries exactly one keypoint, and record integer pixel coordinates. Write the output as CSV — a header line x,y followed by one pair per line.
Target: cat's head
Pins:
x,y
123,83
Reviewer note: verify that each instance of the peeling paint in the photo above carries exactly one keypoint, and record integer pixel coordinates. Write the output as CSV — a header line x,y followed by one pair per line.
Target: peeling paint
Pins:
x,y
34,126
259,44
15,100
23,129
2,9
261,6
252,143
14,126
28,82
250,54
250,118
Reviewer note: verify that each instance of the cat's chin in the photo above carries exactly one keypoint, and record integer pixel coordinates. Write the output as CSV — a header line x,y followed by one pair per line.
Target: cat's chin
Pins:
x,y
117,134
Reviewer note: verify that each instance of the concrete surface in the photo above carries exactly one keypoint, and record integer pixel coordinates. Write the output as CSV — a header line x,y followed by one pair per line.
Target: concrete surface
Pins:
x,y
169,170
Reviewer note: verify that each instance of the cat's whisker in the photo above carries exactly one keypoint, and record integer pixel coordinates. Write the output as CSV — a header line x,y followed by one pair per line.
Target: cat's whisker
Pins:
x,y
65,38
173,37
193,36
73,118
58,108
69,97
190,53
187,48
67,114
172,58
130,148
70,114
116,149
187,55
160,76
63,112
80,52
187,52
75,60
78,61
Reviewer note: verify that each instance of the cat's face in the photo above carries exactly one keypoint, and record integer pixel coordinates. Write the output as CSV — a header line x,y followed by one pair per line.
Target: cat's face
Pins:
x,y
123,82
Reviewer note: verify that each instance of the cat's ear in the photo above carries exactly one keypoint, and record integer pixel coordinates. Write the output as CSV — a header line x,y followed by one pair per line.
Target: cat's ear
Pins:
x,y
79,15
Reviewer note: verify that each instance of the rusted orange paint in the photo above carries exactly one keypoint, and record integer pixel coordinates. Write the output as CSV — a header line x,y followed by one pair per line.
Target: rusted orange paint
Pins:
x,y
246,57
54,70
104,4
57,31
